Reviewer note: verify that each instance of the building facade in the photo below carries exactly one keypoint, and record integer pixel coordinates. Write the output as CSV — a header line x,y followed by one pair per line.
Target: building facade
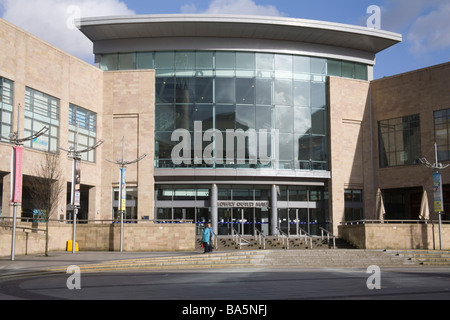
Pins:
x,y
256,124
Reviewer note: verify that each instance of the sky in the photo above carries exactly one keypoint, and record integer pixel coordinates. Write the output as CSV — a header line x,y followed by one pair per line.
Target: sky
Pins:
x,y
422,23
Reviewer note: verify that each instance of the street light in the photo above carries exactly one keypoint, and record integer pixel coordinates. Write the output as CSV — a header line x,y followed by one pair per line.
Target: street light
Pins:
x,y
121,207
16,174
437,188
75,201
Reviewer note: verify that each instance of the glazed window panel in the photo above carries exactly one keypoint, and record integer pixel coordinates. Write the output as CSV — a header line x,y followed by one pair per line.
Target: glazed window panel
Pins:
x,y
144,60
283,92
245,61
165,90
226,60
109,62
42,110
6,107
245,91
442,133
83,122
399,141
204,61
164,117
225,90
127,61
264,92
164,60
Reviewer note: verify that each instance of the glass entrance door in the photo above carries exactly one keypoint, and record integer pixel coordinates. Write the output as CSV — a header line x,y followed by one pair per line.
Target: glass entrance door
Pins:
x,y
225,221
262,220
243,220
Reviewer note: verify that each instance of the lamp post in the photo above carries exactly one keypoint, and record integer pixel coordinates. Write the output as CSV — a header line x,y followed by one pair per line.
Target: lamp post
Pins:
x,y
121,207
437,188
75,201
16,174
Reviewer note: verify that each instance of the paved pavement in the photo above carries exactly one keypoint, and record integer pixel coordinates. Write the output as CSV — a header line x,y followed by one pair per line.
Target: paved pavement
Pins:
x,y
56,259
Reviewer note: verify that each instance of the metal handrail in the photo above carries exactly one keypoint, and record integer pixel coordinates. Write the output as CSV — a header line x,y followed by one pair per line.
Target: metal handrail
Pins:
x,y
24,228
238,238
364,221
306,234
214,241
260,238
284,236
329,234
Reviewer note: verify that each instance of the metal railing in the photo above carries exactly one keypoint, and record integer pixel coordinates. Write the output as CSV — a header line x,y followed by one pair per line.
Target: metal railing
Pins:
x,y
238,239
284,237
24,229
329,235
108,221
302,233
261,238
364,221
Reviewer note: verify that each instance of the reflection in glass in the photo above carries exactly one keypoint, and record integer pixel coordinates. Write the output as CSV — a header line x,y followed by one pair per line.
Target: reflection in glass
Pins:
x,y
283,92
302,120
164,118
245,117
302,93
245,91
285,119
225,90
225,117
165,90
264,92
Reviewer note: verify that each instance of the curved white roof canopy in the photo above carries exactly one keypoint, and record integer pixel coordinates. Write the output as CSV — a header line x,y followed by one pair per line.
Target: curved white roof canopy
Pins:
x,y
214,32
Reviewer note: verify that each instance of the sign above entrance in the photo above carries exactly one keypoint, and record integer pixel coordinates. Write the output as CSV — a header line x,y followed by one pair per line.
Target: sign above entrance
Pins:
x,y
242,204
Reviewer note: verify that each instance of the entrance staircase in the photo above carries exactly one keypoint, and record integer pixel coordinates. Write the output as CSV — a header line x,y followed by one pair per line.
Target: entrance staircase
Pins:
x,y
275,243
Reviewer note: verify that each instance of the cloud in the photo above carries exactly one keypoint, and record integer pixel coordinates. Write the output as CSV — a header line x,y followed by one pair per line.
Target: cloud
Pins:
x,y
424,24
246,7
52,20
431,31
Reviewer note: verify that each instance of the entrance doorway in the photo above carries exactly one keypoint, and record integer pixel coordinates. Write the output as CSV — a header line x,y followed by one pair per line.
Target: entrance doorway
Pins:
x,y
244,221
293,220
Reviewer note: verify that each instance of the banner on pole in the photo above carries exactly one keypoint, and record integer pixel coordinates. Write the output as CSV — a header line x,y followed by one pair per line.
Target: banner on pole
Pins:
x,y
76,183
437,191
16,175
123,190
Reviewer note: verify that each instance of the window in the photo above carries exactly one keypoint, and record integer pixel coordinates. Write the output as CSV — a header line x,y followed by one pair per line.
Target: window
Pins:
x,y
41,110
85,123
6,107
441,133
242,91
399,141
353,205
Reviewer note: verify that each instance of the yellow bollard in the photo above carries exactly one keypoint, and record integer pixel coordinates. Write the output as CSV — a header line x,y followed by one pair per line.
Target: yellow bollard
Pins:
x,y
69,246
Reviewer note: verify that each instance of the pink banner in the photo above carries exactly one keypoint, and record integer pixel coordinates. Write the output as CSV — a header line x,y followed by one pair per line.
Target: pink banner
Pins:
x,y
16,175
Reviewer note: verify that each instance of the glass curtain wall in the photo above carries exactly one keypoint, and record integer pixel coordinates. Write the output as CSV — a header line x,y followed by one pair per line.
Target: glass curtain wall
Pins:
x,y
239,91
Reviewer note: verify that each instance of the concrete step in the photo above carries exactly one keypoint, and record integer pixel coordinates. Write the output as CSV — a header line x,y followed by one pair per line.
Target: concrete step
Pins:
x,y
424,257
261,259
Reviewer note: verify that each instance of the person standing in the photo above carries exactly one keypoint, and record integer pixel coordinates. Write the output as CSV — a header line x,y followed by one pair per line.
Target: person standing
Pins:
x,y
207,237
